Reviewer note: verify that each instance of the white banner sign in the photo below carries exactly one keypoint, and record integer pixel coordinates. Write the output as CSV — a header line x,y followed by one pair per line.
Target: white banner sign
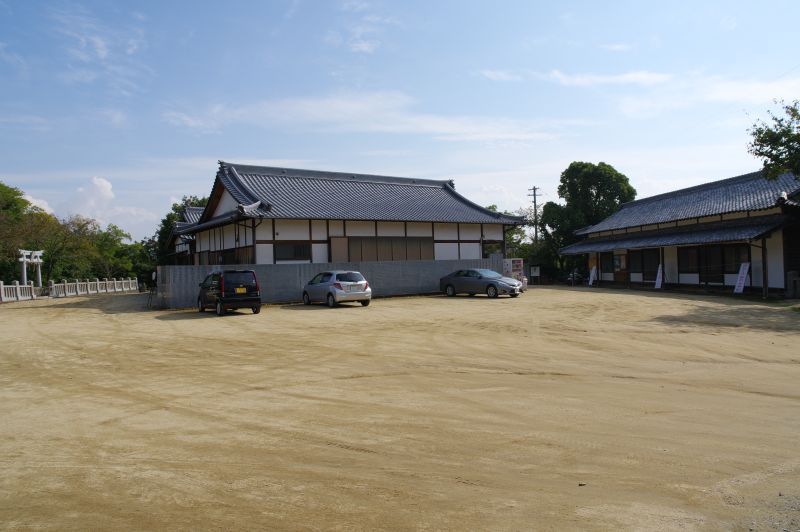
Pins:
x,y
743,269
659,277
593,276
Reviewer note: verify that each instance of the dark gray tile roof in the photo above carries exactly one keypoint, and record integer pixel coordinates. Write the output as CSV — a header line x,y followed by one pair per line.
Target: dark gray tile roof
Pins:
x,y
709,233
271,192
749,192
192,214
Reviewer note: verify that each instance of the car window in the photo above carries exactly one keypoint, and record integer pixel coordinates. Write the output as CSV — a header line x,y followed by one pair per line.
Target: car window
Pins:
x,y
240,278
207,281
214,280
326,277
489,274
350,277
459,273
317,278
472,273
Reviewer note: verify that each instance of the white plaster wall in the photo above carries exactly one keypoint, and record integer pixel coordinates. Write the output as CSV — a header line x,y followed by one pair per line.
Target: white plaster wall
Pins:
x,y
264,231
336,227
470,231
636,277
200,241
264,253
360,228
291,230
319,230
671,264
419,229
492,232
606,276
470,251
391,229
775,260
445,251
445,231
226,204
229,236
319,253
689,278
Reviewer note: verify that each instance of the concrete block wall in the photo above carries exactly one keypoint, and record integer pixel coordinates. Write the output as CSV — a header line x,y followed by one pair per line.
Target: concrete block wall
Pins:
x,y
283,283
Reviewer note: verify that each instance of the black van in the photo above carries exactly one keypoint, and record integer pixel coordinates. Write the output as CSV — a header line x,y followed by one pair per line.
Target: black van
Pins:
x,y
230,289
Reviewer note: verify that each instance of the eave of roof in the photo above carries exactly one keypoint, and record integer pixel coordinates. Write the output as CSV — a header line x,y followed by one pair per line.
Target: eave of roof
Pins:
x,y
729,231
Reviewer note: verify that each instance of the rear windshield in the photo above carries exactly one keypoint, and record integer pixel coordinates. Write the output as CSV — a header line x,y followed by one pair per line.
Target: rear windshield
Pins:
x,y
350,277
240,278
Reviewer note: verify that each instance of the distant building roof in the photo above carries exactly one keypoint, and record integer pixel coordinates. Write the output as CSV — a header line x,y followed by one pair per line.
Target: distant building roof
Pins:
x,y
715,232
271,192
192,214
749,192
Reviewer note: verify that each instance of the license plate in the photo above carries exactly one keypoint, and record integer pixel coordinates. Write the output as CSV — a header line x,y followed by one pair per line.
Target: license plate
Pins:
x,y
241,290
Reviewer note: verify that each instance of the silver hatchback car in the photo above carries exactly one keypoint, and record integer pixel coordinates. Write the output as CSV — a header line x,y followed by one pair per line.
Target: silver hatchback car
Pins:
x,y
336,287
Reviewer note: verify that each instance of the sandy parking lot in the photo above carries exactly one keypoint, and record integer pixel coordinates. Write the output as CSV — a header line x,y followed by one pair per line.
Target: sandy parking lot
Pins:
x,y
564,408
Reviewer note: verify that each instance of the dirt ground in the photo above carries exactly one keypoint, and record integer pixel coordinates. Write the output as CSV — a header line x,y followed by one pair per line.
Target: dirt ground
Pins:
x,y
561,409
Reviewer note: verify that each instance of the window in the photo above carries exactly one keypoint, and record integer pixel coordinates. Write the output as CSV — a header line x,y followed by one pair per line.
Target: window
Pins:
x,y
607,262
734,255
651,258
326,277
687,260
349,277
490,248
710,262
298,251
620,263
635,261
317,278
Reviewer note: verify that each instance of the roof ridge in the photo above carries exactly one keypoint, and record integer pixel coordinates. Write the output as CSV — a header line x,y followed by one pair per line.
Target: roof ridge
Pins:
x,y
298,173
696,188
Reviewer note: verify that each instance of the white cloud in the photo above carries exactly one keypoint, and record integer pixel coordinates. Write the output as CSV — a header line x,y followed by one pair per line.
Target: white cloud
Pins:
x,y
362,30
115,117
639,77
354,5
376,112
33,122
38,202
617,47
500,75
11,58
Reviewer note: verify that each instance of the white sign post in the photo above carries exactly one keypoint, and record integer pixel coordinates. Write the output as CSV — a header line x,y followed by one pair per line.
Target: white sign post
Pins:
x,y
593,276
743,269
659,277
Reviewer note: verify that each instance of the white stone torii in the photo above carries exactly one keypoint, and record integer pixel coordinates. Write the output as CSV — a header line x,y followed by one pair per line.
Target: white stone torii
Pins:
x,y
32,257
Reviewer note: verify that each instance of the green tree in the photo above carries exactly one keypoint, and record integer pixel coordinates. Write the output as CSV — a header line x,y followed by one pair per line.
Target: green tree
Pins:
x,y
591,192
167,225
778,143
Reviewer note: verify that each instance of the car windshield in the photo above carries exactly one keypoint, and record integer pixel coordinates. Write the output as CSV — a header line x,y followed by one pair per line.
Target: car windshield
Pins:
x,y
489,274
240,278
350,277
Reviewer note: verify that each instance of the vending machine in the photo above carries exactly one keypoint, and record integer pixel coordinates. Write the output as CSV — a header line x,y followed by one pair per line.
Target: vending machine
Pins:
x,y
513,268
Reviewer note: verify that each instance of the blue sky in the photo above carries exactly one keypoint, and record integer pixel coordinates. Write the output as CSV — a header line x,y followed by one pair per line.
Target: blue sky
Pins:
x,y
116,109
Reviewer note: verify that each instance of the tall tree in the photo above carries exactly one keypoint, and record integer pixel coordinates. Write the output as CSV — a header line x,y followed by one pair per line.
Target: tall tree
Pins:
x,y
778,143
167,225
591,192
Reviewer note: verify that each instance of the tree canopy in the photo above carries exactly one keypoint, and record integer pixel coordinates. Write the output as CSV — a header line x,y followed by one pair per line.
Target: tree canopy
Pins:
x,y
777,143
167,225
591,193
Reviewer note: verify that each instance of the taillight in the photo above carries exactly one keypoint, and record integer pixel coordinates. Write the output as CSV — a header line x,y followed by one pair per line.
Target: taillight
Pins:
x,y
222,285
338,286
366,285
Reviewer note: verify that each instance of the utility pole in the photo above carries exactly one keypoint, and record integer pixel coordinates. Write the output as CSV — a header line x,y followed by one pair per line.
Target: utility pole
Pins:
x,y
534,194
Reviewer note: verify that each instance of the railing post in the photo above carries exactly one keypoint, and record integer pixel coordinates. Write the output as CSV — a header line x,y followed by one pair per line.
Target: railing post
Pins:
x,y
2,293
33,293
51,288
16,290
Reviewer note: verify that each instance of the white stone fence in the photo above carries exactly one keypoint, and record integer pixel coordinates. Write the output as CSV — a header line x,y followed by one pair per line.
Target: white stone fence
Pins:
x,y
23,292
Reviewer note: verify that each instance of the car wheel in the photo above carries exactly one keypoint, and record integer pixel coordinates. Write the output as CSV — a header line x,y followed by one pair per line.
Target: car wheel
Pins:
x,y
331,301
450,290
220,308
513,295
200,306
365,302
306,299
256,309
491,291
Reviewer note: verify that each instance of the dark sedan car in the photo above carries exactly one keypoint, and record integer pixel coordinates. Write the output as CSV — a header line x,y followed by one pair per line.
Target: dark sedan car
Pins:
x,y
479,281
230,289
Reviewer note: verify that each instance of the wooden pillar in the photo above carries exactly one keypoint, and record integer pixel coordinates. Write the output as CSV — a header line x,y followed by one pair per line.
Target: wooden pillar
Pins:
x,y
663,268
597,265
764,269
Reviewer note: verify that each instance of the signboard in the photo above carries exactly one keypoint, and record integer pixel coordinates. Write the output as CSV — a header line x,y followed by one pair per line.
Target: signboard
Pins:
x,y
593,276
743,269
659,277
534,271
